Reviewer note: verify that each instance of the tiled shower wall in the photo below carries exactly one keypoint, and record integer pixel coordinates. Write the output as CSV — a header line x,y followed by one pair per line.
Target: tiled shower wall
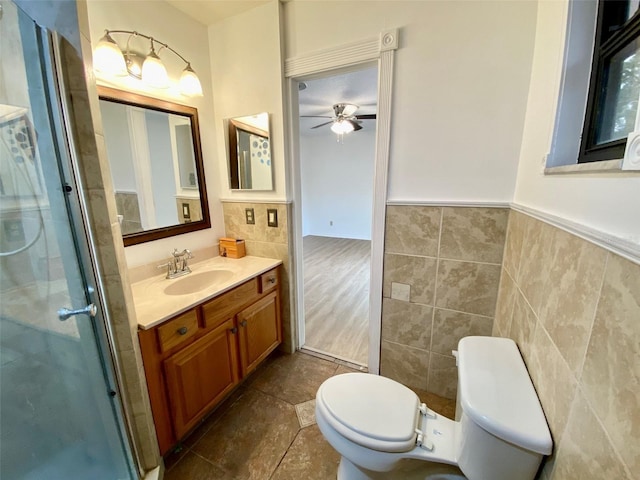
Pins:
x,y
262,240
450,257
574,310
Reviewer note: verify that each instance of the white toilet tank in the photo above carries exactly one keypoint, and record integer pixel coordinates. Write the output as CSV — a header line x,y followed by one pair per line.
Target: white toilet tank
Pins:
x,y
504,434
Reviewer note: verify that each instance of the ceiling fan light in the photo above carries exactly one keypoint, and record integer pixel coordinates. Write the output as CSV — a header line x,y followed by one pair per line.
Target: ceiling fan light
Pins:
x,y
154,72
108,58
341,127
190,83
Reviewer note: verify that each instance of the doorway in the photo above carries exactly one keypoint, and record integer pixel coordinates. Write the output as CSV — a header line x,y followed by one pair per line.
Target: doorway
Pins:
x,y
337,140
60,414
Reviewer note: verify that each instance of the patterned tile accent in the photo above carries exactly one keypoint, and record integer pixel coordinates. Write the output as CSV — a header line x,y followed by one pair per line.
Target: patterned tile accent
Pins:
x,y
306,413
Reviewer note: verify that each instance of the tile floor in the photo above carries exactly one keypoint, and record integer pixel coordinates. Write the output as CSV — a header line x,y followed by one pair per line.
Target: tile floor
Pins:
x,y
266,430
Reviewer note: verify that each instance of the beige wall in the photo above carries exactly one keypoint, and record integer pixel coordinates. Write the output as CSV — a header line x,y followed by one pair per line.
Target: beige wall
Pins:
x,y
271,242
573,308
450,257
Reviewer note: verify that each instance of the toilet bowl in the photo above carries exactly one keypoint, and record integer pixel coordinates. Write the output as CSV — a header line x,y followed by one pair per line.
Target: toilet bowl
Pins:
x,y
379,426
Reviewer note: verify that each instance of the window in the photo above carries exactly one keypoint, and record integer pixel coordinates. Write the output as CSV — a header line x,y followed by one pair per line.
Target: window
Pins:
x,y
614,87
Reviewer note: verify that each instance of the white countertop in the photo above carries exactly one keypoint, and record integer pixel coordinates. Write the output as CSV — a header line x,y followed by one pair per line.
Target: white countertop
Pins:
x,y
154,306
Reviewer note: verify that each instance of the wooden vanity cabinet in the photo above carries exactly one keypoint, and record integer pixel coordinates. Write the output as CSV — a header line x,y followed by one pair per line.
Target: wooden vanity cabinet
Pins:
x,y
194,360
201,375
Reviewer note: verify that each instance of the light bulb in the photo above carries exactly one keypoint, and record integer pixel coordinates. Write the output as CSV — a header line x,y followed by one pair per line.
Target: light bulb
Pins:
x,y
108,58
154,72
342,126
190,83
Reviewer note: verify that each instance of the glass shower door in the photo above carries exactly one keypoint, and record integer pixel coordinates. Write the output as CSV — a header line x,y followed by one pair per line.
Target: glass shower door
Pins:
x,y
59,411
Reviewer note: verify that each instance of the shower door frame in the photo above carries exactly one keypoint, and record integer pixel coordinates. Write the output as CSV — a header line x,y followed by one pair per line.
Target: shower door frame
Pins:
x,y
57,99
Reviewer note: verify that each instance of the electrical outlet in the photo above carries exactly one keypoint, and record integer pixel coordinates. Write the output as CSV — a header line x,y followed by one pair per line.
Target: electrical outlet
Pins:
x,y
331,223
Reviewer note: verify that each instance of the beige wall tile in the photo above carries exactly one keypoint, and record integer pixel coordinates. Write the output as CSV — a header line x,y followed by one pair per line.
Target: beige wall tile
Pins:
x,y
513,242
467,287
475,234
443,375
406,365
504,305
419,272
585,451
570,294
413,230
535,261
449,327
523,326
611,375
406,323
553,380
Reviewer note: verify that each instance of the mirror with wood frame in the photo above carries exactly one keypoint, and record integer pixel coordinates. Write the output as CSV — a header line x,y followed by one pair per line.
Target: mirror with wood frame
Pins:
x,y
250,166
155,159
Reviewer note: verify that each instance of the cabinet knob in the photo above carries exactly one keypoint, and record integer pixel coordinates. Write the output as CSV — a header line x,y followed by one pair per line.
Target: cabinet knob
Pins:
x,y
233,330
243,323
272,280
182,330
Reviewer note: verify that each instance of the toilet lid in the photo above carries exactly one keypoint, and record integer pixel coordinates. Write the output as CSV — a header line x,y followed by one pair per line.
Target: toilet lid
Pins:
x,y
372,411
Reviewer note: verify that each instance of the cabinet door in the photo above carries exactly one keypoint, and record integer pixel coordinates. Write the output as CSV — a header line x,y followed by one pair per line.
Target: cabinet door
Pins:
x,y
259,331
200,375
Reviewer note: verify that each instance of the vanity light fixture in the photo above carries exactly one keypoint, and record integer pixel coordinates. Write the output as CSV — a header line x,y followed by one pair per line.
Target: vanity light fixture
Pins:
x,y
109,58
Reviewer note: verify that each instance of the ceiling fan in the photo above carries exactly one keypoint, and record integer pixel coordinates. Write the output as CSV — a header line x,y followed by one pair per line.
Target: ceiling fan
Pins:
x,y
344,120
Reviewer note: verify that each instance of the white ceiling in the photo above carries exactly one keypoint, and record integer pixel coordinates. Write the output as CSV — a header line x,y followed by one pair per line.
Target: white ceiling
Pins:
x,y
359,88
208,12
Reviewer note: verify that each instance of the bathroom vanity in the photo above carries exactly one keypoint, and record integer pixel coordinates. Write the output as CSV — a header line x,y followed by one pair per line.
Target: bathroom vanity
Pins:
x,y
202,334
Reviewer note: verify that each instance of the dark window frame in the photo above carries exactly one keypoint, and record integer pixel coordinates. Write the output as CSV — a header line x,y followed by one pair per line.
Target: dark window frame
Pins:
x,y
613,33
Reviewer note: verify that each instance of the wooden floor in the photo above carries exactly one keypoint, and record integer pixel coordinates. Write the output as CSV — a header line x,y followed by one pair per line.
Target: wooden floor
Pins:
x,y
336,296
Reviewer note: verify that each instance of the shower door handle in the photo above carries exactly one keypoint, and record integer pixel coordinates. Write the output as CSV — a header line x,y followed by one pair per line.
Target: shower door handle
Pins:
x,y
65,313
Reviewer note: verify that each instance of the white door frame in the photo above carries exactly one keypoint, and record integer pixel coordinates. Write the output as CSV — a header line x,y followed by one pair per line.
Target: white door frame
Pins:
x,y
381,50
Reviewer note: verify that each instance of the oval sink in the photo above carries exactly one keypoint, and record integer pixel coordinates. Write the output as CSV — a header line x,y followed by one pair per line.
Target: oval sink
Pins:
x,y
194,282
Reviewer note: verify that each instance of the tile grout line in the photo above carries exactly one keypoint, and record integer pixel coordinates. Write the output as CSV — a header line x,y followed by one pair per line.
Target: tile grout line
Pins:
x,y
285,453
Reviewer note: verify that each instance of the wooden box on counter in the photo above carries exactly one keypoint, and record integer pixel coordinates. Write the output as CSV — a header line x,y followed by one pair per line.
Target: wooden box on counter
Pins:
x,y
232,248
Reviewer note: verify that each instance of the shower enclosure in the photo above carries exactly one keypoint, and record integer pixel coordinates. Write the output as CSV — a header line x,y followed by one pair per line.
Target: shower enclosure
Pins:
x,y
60,413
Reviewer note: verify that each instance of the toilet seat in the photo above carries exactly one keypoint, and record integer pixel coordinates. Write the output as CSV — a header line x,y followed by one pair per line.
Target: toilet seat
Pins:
x,y
371,411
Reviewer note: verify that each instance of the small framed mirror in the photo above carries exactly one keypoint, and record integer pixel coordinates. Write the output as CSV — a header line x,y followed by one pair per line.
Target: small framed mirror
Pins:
x,y
250,166
155,159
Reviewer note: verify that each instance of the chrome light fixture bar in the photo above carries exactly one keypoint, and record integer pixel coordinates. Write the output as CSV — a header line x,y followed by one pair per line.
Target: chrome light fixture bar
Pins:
x,y
108,58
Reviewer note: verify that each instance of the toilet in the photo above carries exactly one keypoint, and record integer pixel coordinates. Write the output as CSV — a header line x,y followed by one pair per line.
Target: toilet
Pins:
x,y
379,426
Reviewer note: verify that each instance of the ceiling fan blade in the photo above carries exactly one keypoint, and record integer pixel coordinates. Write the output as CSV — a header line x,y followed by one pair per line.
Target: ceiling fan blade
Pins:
x,y
369,116
322,124
356,125
316,116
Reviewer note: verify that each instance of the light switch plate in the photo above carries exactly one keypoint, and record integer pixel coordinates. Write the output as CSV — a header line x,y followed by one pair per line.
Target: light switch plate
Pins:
x,y
249,215
400,291
272,217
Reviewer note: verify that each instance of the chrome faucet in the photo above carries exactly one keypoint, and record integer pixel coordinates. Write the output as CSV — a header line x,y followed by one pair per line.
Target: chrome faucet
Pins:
x,y
177,265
